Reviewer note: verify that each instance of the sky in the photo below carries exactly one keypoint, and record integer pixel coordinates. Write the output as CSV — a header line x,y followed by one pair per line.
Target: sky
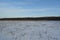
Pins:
x,y
29,8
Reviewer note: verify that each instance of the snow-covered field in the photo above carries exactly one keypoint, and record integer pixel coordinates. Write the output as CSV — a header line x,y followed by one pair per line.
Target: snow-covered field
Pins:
x,y
29,30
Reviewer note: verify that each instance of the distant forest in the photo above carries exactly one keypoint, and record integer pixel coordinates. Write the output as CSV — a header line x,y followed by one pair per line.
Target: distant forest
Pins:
x,y
32,18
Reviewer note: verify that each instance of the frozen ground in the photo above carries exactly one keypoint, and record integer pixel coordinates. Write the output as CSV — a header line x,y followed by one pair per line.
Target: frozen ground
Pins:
x,y
29,30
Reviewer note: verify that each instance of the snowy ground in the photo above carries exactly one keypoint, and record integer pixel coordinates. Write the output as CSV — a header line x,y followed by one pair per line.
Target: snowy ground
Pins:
x,y
29,30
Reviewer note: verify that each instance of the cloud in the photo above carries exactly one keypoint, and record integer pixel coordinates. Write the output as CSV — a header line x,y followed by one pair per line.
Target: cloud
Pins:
x,y
20,10
4,4
23,10
10,7
15,3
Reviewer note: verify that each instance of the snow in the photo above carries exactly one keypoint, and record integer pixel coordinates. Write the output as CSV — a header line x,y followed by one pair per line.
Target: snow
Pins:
x,y
29,30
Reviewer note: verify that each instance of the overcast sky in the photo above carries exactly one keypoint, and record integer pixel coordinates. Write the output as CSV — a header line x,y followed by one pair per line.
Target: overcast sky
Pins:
x,y
29,8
